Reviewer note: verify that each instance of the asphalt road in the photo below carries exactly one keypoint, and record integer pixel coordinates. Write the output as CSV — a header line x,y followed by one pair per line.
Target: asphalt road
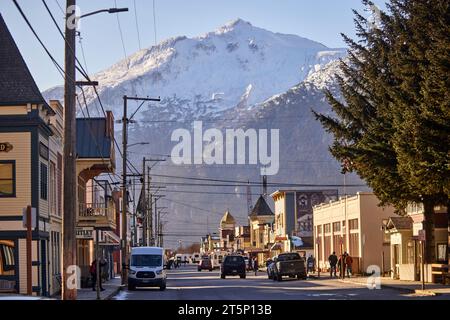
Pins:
x,y
186,283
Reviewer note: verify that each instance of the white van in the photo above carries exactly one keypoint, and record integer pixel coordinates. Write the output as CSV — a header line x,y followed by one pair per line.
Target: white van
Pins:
x,y
146,268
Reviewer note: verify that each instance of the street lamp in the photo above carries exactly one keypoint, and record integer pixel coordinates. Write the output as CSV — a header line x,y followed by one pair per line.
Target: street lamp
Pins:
x,y
70,175
111,10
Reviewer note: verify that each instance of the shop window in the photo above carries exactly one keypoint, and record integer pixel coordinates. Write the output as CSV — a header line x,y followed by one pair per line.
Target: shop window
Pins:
x,y
354,244
336,226
53,194
353,224
337,246
327,228
44,182
7,259
442,252
410,252
7,178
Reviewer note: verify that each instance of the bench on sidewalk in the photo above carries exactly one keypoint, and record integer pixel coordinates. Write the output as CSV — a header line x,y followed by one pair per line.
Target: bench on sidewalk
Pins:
x,y
439,273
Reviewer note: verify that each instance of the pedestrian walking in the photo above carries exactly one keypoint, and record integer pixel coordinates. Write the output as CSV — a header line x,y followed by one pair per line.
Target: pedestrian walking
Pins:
x,y
255,266
93,272
310,263
333,260
348,264
341,265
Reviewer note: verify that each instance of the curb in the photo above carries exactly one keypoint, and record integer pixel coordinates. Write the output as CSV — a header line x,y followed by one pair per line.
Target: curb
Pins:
x,y
383,285
112,294
415,291
426,293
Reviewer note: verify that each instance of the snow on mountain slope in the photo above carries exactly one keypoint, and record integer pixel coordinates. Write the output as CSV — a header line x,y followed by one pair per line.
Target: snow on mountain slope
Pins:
x,y
236,64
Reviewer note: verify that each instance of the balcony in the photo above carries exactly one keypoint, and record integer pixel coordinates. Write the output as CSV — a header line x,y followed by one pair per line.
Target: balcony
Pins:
x,y
98,215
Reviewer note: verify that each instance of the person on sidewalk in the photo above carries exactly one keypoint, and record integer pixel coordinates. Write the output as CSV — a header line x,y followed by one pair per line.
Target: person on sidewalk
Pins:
x,y
333,260
348,264
93,272
255,266
310,263
341,265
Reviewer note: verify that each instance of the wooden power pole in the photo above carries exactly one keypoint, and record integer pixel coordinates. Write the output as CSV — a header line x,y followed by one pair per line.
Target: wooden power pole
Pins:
x,y
144,207
69,290
125,121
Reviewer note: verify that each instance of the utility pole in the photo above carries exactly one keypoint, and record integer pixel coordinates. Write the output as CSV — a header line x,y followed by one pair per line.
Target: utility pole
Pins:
x,y
148,212
125,122
69,292
156,222
144,207
135,228
124,190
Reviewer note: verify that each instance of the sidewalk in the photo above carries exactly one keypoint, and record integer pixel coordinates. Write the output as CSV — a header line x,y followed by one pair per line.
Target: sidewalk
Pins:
x,y
112,287
407,286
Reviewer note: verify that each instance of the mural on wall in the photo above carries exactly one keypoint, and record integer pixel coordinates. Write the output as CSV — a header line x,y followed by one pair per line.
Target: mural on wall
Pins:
x,y
305,201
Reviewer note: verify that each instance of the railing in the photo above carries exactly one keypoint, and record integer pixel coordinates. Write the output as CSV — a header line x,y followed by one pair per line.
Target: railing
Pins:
x,y
97,211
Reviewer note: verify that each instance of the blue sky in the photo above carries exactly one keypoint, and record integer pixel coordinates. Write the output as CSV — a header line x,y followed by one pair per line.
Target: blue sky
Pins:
x,y
319,20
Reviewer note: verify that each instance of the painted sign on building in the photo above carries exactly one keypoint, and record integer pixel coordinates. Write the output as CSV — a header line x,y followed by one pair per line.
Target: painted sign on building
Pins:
x,y
5,147
86,233
305,201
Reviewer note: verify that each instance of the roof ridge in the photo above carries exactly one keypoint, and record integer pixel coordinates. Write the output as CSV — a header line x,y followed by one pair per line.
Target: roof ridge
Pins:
x,y
17,85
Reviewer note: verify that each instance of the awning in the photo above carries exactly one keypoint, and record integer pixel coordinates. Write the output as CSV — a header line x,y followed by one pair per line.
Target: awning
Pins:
x,y
281,238
111,239
276,246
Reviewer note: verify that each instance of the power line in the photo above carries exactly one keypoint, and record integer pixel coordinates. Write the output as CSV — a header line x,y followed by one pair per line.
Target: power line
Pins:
x,y
121,33
137,24
60,8
244,183
154,22
57,65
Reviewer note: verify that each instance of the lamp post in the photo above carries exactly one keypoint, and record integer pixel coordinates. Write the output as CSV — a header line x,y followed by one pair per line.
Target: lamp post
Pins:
x,y
69,292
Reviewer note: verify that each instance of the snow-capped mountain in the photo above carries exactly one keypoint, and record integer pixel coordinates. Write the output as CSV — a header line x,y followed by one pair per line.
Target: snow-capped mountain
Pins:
x,y
236,64
239,76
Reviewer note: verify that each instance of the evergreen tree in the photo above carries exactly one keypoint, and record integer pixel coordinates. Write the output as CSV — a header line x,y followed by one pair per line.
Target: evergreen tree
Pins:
x,y
392,123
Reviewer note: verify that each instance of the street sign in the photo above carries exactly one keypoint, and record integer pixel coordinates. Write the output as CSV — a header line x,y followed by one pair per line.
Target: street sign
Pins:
x,y
422,235
86,233
33,218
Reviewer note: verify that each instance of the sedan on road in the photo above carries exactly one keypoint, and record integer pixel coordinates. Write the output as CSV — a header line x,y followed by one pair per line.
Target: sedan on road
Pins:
x,y
205,264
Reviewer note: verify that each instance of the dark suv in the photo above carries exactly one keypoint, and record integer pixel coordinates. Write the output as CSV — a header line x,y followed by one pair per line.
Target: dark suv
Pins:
x,y
233,266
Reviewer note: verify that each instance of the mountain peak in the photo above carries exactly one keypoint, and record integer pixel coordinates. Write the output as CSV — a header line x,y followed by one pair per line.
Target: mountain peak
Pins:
x,y
233,25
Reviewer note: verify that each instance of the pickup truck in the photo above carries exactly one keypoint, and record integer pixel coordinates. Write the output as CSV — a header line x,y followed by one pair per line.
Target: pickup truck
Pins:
x,y
289,264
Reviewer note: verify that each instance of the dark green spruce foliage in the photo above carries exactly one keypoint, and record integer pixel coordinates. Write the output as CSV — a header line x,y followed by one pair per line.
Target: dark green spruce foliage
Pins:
x,y
393,121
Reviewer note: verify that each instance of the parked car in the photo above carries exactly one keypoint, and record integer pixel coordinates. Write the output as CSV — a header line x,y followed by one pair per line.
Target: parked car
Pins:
x,y
289,264
270,267
146,268
195,257
233,265
205,264
248,267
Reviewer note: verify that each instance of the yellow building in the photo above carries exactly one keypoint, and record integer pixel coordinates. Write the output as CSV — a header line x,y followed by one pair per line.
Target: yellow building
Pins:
x,y
261,220
30,175
352,224
97,208
405,262
293,227
226,232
